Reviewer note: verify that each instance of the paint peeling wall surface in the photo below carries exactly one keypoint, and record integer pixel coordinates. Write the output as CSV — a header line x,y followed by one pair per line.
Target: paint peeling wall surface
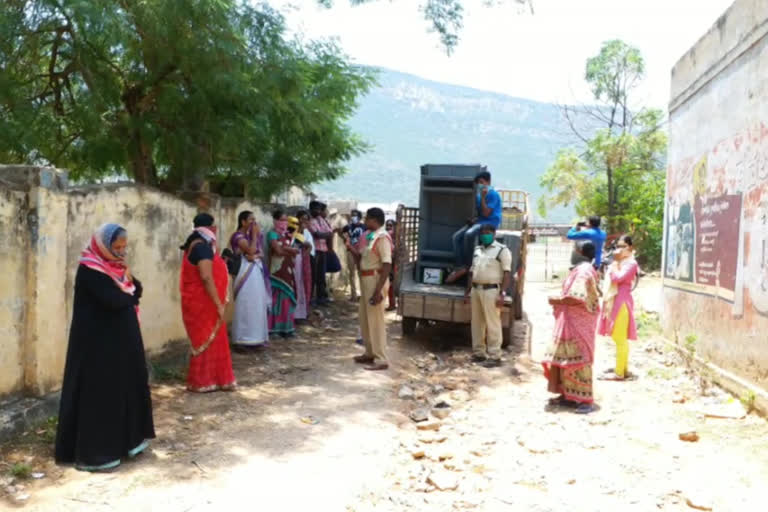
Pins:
x,y
44,226
715,264
13,287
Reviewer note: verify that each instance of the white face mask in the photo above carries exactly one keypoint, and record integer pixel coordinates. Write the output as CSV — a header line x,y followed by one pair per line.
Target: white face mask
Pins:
x,y
355,219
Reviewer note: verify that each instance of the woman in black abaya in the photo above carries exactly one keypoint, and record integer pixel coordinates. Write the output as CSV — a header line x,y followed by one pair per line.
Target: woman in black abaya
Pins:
x,y
106,409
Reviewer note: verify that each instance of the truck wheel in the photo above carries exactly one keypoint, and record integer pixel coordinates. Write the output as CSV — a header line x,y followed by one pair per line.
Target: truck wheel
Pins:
x,y
518,306
409,325
508,334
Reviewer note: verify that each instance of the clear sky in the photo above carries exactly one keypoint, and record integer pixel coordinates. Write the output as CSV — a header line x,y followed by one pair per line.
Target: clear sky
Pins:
x,y
538,56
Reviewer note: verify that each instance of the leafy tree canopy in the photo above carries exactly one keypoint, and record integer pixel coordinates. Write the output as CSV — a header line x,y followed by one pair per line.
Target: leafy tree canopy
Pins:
x,y
173,93
618,170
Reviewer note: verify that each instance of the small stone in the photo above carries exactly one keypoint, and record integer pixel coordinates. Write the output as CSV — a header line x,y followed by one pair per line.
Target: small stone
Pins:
x,y
453,465
405,393
443,480
443,456
690,437
38,476
437,389
419,415
432,438
21,497
451,384
695,504
418,454
441,410
459,395
431,425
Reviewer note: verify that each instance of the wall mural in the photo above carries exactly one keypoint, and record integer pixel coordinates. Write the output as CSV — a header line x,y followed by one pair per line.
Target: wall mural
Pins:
x,y
717,222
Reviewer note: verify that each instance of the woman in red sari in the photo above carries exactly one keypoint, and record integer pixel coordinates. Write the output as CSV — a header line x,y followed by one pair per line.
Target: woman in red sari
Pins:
x,y
568,365
204,283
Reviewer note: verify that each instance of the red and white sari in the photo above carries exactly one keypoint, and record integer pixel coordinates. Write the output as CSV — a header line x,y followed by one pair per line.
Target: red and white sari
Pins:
x,y
568,364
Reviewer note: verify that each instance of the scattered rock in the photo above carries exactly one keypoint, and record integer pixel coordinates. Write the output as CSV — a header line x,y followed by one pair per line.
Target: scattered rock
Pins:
x,y
690,437
405,393
459,395
733,410
418,454
696,504
533,446
432,438
25,496
431,425
38,476
454,465
437,389
441,410
451,384
419,415
443,480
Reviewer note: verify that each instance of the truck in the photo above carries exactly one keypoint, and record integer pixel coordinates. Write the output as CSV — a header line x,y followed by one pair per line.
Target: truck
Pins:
x,y
424,248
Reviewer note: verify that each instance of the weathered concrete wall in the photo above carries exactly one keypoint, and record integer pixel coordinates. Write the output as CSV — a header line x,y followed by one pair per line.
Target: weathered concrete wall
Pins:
x,y
44,226
13,287
716,221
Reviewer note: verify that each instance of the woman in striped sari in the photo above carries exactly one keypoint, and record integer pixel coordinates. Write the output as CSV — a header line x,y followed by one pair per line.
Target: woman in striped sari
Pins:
x,y
252,289
282,277
568,365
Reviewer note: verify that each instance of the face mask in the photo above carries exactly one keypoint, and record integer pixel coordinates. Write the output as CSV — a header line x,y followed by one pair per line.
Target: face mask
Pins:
x,y
355,219
486,239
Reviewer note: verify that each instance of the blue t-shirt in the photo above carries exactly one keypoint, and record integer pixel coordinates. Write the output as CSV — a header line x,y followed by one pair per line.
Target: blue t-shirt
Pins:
x,y
596,236
492,201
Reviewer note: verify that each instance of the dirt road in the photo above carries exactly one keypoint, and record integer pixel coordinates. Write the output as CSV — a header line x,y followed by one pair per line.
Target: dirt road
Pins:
x,y
310,429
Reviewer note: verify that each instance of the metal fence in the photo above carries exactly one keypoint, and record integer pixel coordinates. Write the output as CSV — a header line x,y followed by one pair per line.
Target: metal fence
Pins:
x,y
548,259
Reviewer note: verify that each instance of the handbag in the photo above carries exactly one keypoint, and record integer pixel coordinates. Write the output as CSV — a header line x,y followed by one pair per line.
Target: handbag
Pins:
x,y
332,263
233,262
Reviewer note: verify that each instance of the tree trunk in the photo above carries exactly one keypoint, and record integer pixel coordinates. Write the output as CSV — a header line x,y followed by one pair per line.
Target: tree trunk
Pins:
x,y
611,196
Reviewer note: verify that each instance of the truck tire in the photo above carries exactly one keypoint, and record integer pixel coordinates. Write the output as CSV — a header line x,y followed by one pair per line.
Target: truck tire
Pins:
x,y
507,334
409,325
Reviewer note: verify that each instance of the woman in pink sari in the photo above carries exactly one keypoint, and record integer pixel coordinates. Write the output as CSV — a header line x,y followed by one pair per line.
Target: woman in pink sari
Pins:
x,y
568,365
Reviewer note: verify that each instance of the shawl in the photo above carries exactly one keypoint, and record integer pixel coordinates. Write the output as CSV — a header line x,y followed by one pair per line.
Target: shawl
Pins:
x,y
99,256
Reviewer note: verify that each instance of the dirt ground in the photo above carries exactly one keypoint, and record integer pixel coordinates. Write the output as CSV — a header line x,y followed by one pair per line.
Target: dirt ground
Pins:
x,y
309,428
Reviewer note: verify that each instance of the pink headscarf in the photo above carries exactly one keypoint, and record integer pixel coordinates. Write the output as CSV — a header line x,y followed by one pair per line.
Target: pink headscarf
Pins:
x,y
99,256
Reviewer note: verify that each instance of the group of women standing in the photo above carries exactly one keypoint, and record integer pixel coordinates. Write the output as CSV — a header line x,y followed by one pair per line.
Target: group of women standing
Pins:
x,y
105,413
579,318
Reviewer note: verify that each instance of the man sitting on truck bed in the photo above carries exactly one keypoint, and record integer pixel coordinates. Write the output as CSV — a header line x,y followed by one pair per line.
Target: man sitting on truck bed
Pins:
x,y
488,279
488,205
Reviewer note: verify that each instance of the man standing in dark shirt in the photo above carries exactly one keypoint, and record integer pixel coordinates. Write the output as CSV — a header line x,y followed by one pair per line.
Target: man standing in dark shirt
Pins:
x,y
352,232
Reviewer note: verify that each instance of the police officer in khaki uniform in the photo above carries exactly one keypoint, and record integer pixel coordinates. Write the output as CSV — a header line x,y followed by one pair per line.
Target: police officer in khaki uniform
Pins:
x,y
486,288
375,263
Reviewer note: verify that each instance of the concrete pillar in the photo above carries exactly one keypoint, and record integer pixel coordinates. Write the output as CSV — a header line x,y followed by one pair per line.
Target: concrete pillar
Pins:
x,y
45,323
